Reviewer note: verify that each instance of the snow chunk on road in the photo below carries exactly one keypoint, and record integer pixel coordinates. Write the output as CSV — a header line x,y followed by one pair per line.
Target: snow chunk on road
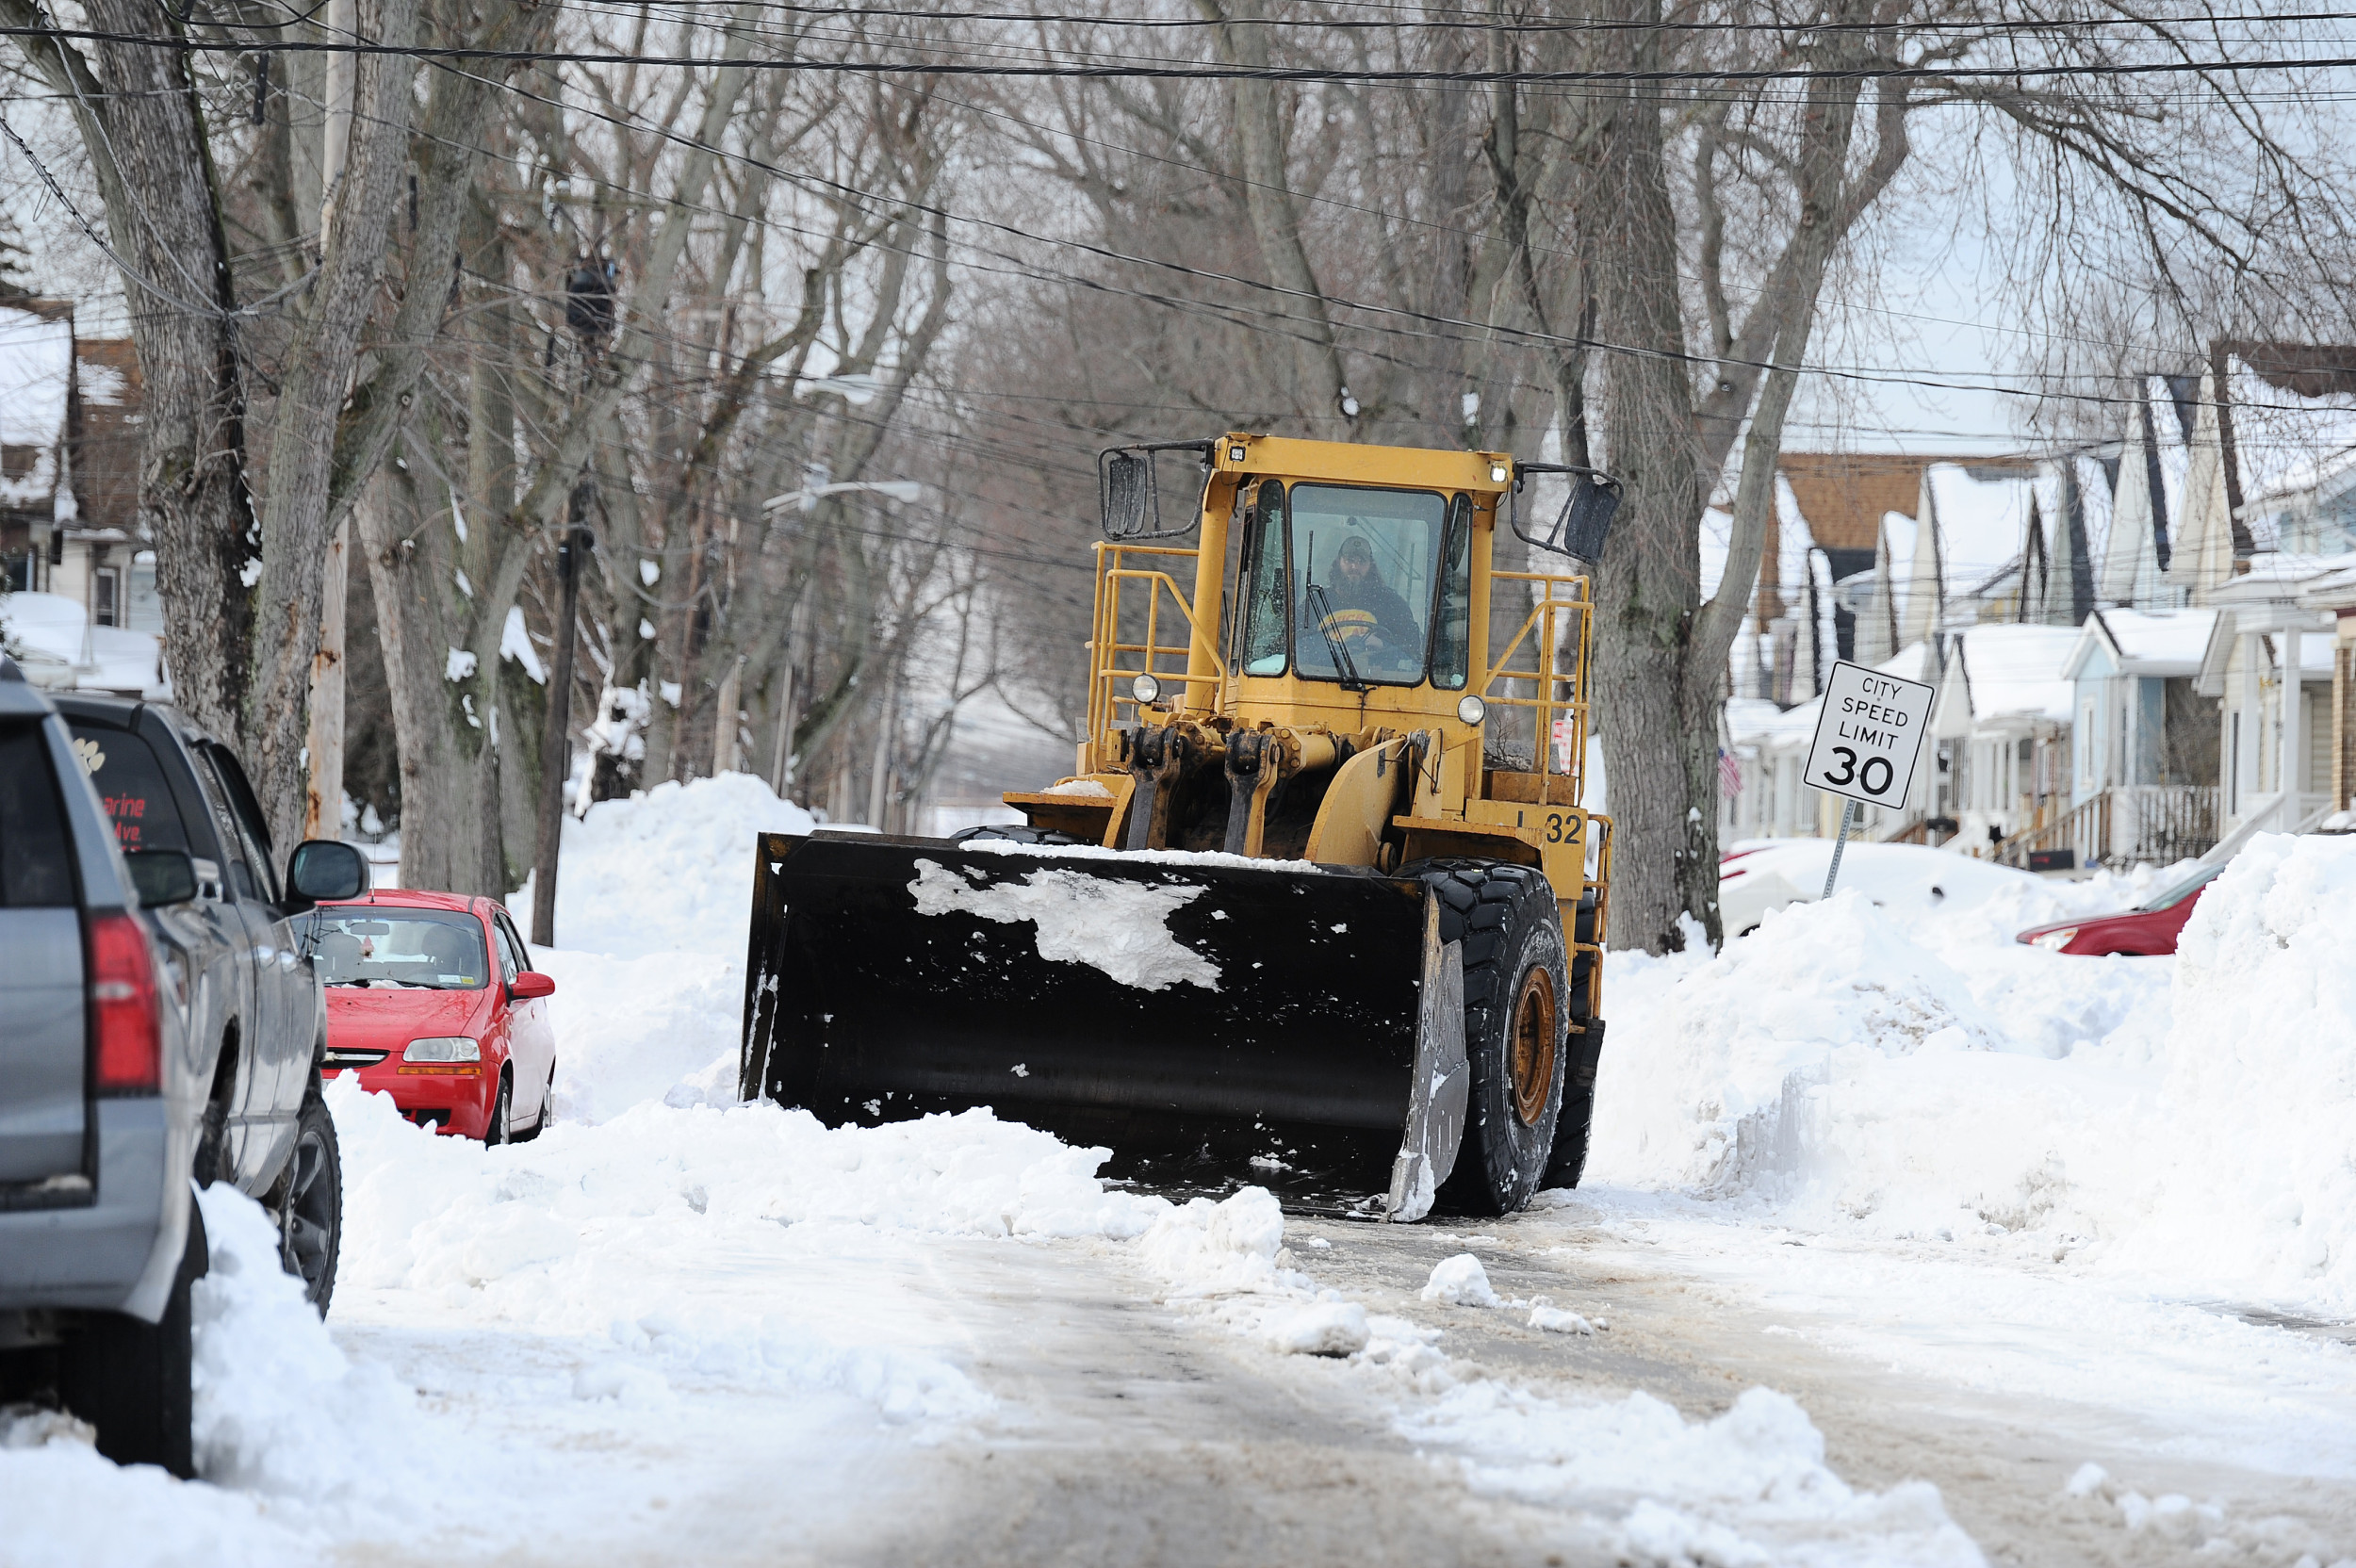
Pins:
x,y
1320,1329
1750,1486
1224,1248
1460,1281
1119,928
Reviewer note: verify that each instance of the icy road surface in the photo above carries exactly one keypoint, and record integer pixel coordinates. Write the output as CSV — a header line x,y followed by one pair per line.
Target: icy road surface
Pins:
x,y
1902,1245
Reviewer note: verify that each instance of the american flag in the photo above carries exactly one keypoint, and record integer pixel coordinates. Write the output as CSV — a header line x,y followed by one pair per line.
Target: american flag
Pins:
x,y
1729,774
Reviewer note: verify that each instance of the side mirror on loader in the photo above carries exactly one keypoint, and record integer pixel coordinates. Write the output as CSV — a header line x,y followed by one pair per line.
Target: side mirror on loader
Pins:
x,y
1585,519
1129,492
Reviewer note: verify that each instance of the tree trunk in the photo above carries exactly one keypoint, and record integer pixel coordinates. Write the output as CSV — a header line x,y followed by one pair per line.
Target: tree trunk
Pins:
x,y
1658,701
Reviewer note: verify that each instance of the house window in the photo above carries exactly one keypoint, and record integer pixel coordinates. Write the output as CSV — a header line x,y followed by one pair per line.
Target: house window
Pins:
x,y
16,573
106,597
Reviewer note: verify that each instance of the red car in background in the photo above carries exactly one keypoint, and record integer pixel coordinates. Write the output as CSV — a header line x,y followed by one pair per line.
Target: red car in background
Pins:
x,y
432,998
2149,928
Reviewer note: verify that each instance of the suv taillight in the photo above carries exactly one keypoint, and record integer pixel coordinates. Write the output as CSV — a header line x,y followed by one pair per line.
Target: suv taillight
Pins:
x,y
130,1054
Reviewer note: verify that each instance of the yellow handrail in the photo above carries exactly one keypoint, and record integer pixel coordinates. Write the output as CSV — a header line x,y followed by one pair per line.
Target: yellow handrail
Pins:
x,y
1545,619
1105,697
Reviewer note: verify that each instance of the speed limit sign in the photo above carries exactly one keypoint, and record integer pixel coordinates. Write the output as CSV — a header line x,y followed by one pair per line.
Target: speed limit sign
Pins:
x,y
1869,735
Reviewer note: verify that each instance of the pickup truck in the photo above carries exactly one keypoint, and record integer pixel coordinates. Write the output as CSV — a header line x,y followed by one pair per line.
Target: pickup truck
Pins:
x,y
161,1027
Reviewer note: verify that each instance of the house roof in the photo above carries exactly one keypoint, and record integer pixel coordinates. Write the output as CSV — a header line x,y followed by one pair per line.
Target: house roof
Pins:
x,y
1982,519
2146,641
2016,671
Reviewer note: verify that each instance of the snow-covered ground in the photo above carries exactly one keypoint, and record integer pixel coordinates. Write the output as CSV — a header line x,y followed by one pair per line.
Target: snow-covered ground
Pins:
x,y
1901,1243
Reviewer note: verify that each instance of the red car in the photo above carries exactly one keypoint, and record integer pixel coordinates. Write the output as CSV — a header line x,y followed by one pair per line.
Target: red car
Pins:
x,y
2149,928
432,998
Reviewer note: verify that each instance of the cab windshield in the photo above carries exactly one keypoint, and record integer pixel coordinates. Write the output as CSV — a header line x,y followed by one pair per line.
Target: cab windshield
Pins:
x,y
376,946
1342,582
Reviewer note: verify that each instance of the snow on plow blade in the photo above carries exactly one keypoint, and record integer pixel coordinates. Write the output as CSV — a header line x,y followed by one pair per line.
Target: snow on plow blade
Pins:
x,y
1208,1019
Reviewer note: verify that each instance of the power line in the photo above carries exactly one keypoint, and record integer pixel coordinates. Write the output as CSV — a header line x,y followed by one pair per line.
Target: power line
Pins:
x,y
1369,76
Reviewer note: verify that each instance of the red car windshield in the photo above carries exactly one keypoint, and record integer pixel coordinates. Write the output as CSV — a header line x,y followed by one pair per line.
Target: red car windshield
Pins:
x,y
2182,890
379,946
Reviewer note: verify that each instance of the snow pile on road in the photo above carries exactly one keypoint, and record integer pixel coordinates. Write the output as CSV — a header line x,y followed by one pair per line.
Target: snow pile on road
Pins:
x,y
1889,1058
293,1434
1750,1486
1892,1061
280,1409
669,870
2258,1110
622,1232
632,1030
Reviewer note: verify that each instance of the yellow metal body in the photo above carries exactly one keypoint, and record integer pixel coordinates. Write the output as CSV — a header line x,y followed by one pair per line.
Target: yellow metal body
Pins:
x,y
1402,776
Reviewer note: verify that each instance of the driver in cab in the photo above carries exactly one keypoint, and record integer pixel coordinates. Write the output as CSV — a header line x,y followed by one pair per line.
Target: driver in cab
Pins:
x,y
1359,608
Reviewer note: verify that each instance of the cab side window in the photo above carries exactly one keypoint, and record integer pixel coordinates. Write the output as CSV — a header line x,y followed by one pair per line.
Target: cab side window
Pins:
x,y
246,814
237,870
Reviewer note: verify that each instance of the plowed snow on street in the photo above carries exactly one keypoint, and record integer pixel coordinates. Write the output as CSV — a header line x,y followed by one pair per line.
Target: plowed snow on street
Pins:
x,y
1901,1243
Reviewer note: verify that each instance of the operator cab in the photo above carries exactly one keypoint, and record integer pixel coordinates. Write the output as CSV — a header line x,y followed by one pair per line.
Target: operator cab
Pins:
x,y
1354,585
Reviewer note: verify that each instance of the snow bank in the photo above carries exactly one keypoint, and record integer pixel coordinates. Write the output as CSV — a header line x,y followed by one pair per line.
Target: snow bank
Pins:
x,y
1894,1061
293,1434
1889,1058
1750,1486
2258,1112
670,869
624,1233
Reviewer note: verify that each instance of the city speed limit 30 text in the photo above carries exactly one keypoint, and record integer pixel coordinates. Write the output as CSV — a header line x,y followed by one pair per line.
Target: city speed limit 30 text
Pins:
x,y
1869,735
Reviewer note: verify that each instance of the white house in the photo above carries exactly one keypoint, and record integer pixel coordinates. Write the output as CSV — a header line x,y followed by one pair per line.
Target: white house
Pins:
x,y
2001,724
2143,742
2271,661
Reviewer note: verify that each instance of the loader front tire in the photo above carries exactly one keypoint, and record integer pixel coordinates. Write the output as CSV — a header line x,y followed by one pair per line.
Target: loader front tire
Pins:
x,y
1517,999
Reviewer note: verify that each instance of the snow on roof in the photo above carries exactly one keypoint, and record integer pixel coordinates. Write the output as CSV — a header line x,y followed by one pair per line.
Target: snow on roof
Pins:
x,y
2018,670
1982,522
2160,636
36,375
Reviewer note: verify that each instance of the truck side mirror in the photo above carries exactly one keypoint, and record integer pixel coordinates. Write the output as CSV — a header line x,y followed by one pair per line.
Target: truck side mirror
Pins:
x,y
323,871
1125,492
161,876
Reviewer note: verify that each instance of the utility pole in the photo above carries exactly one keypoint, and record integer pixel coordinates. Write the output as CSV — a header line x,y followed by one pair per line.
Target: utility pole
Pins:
x,y
556,750
323,736
725,754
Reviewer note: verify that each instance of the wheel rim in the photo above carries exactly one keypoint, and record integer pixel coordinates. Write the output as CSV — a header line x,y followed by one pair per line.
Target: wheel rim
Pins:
x,y
1534,1045
307,1222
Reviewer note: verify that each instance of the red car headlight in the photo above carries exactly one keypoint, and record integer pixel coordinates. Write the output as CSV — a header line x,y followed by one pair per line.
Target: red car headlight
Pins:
x,y
2053,942
452,1054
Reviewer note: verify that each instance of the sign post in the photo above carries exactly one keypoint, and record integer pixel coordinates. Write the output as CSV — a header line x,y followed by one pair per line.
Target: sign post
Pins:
x,y
1868,739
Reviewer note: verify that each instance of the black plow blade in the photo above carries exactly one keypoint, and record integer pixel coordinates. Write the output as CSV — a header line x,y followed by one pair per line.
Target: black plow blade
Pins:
x,y
1211,1022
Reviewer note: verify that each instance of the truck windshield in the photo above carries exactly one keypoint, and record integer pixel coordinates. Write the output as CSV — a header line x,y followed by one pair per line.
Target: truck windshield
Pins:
x,y
372,946
1362,567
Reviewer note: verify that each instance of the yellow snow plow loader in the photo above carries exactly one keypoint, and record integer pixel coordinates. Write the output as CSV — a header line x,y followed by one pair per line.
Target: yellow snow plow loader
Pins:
x,y
1318,906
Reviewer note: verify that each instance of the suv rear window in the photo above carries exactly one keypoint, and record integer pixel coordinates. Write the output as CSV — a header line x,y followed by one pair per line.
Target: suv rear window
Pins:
x,y
131,781
36,857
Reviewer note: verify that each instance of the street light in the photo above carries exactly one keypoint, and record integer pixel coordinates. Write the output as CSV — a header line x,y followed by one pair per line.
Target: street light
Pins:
x,y
896,489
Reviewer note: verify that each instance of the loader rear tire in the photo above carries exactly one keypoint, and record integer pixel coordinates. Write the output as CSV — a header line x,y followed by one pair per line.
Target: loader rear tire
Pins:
x,y
1568,1162
1518,996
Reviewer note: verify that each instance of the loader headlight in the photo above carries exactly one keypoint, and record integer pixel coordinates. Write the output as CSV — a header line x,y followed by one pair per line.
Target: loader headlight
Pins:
x,y
443,1047
1471,709
1496,473
1146,689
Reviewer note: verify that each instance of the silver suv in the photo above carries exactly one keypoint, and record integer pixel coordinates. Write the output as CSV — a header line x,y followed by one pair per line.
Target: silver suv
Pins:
x,y
159,1025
